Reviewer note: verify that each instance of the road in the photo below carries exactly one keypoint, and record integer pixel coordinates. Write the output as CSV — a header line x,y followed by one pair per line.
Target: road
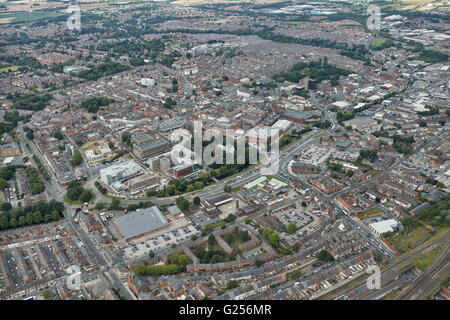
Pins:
x,y
55,192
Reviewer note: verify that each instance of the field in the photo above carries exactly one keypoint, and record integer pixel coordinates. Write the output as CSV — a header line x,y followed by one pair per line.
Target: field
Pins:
x,y
66,199
236,238
426,259
6,69
369,213
420,5
378,41
211,254
27,16
404,242
322,134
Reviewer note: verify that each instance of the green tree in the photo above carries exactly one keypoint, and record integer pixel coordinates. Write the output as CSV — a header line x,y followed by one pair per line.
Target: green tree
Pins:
x,y
3,184
6,206
77,158
211,240
58,135
182,203
85,196
292,228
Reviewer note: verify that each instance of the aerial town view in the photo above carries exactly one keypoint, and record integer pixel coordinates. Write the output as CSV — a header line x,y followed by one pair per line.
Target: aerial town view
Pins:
x,y
225,150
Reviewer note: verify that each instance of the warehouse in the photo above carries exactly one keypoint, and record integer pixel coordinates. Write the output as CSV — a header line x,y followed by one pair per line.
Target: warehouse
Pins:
x,y
384,226
140,223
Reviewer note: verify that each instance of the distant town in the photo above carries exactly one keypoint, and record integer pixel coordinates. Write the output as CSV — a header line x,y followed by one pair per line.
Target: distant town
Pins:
x,y
94,205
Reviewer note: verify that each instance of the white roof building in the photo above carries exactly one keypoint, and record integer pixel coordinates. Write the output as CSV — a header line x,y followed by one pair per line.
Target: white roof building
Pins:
x,y
283,125
384,226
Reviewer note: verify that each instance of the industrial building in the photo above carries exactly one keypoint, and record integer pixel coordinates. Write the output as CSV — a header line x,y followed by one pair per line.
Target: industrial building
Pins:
x,y
384,226
140,223
170,124
144,145
283,125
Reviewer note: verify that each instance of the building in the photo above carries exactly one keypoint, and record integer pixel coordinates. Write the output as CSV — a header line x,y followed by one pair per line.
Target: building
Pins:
x,y
120,171
304,168
143,182
384,226
144,145
10,149
97,151
148,82
170,124
140,223
362,124
283,125
299,116
185,170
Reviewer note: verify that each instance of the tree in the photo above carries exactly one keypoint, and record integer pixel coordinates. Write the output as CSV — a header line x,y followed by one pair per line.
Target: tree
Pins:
x,y
85,196
3,184
76,159
99,206
115,204
325,256
211,240
6,206
182,203
126,138
198,185
196,201
292,228
151,254
58,135
227,189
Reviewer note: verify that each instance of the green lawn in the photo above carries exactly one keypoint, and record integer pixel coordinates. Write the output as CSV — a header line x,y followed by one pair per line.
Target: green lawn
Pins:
x,y
30,16
426,259
10,68
404,242
378,41
66,199
234,238
369,213
322,134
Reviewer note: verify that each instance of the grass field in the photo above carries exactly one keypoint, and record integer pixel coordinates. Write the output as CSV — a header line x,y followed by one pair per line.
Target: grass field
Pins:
x,y
6,69
233,238
296,23
28,16
378,42
404,242
322,134
369,213
66,199
426,259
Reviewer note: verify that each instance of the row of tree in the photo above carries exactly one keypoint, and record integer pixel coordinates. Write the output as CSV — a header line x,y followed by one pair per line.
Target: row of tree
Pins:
x,y
36,213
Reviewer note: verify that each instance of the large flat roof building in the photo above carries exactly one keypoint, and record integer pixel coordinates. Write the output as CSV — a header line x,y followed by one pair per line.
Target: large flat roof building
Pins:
x,y
384,226
145,145
141,222
120,171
